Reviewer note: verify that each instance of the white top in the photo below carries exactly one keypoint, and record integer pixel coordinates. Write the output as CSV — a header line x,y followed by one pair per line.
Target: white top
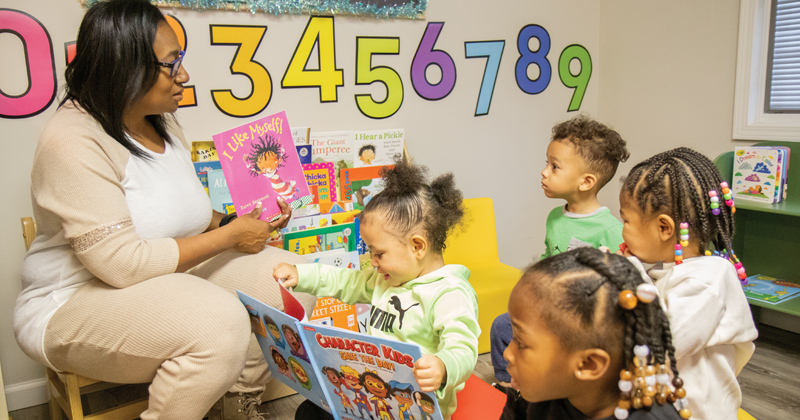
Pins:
x,y
165,200
712,331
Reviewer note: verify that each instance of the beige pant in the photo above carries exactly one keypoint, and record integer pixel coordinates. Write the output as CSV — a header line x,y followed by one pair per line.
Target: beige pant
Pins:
x,y
188,334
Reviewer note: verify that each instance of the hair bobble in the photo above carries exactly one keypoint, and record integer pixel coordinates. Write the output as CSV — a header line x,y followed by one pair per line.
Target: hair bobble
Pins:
x,y
645,293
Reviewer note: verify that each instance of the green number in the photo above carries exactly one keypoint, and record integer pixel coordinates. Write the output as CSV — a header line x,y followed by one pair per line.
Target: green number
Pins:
x,y
579,81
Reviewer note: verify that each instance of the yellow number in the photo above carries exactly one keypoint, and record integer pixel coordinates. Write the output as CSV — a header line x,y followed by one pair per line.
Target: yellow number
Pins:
x,y
247,38
326,77
366,74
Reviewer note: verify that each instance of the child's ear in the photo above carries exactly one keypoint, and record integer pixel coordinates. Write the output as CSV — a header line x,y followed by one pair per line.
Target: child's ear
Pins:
x,y
587,182
594,363
666,228
419,245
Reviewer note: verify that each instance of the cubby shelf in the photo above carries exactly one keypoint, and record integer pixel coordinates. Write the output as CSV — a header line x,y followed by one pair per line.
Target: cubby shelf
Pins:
x,y
767,238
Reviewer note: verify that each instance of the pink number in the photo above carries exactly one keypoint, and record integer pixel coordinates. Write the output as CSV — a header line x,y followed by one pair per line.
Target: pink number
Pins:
x,y
39,61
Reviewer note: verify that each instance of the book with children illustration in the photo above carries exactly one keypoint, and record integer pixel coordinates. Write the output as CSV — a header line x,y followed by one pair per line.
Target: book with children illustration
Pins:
x,y
260,163
770,290
309,241
361,184
352,375
759,173
378,147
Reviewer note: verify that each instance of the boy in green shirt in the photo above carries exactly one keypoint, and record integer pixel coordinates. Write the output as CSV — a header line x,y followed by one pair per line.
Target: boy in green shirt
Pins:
x,y
582,157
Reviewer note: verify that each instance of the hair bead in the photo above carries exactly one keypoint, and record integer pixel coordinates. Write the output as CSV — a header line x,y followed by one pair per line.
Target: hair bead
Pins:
x,y
627,300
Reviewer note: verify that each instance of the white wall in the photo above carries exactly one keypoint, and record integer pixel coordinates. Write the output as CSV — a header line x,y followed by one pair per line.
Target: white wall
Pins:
x,y
497,155
668,71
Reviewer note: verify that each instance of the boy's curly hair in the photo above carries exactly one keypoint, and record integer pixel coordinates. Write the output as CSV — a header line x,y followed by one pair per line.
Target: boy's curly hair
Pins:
x,y
598,145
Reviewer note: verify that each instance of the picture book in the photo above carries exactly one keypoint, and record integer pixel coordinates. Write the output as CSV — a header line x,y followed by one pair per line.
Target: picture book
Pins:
x,y
770,290
260,163
379,147
322,175
207,165
300,135
351,375
330,311
309,241
218,190
333,146
758,174
204,151
304,153
361,184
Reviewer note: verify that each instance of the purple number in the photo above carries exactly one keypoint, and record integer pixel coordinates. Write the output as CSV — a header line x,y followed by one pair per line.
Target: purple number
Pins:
x,y
426,56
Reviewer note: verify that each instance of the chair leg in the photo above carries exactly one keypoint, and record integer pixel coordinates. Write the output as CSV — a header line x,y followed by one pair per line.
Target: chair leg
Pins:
x,y
55,409
74,397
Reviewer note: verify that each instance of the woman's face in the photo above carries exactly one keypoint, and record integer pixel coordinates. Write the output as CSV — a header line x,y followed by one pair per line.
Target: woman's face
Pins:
x,y
167,92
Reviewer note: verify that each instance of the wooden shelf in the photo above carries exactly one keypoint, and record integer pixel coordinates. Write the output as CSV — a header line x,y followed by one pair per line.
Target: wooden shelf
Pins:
x,y
767,238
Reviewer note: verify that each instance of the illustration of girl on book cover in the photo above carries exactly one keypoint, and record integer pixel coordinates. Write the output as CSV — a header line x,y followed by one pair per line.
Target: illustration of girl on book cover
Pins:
x,y
283,366
265,158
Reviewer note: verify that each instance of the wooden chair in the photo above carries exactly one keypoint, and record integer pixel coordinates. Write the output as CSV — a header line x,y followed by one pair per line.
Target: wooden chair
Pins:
x,y
66,388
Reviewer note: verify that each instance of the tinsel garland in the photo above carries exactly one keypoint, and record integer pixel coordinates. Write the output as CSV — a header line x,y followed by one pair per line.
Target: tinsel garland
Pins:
x,y
414,9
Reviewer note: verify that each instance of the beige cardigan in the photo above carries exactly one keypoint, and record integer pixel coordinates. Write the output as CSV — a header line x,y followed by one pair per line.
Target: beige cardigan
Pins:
x,y
84,227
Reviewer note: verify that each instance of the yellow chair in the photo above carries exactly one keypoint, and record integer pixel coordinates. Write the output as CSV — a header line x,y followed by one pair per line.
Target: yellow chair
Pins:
x,y
476,248
66,388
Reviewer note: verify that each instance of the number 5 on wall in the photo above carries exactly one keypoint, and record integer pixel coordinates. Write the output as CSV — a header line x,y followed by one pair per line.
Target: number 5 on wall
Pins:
x,y
366,74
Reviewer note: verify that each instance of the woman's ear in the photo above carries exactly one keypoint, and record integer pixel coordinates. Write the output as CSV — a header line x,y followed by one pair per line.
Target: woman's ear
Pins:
x,y
666,228
593,365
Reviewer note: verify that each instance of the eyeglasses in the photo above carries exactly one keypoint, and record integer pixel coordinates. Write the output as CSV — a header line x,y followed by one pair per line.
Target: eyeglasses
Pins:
x,y
173,66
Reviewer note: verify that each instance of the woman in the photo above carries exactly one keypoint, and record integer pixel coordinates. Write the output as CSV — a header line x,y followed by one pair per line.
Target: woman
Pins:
x,y
131,277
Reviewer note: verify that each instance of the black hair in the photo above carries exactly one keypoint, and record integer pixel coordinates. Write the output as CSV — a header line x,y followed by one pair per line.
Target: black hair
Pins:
x,y
676,183
408,202
362,382
264,145
115,65
598,145
581,288
366,147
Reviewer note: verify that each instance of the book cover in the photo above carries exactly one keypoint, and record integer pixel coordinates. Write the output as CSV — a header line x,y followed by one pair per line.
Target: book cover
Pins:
x,y
335,147
204,151
300,135
361,184
304,153
330,311
218,190
260,163
770,290
352,375
755,174
309,241
378,147
322,175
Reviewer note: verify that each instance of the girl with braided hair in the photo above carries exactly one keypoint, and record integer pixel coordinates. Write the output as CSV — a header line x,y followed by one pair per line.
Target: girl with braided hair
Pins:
x,y
405,227
677,212
590,342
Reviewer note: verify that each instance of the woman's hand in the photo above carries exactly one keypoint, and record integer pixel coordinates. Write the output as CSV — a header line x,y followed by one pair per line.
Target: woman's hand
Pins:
x,y
286,273
430,372
252,234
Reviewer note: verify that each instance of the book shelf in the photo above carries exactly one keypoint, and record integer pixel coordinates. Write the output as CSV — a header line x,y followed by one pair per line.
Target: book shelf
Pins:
x,y
767,238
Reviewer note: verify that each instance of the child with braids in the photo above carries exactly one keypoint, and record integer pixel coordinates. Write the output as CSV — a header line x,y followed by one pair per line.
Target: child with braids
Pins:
x,y
590,342
415,297
677,212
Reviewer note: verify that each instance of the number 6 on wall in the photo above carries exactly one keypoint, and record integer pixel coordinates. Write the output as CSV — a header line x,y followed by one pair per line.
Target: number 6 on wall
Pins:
x,y
366,74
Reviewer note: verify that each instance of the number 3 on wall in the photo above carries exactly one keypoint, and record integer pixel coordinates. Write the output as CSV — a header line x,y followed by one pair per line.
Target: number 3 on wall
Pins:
x,y
39,62
247,38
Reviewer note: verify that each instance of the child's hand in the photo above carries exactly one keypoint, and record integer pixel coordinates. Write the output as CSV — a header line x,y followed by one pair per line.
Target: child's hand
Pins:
x,y
430,372
286,273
